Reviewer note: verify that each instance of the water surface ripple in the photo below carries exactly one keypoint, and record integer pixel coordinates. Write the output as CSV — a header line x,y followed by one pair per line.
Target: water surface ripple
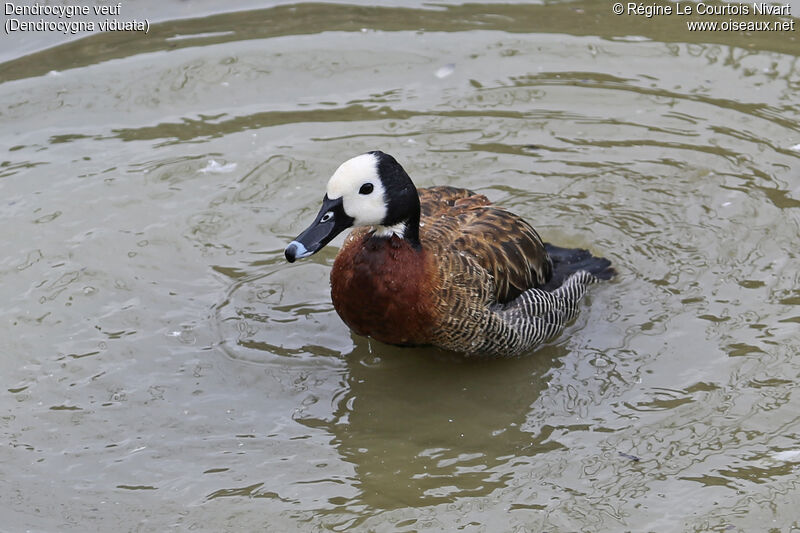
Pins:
x,y
164,368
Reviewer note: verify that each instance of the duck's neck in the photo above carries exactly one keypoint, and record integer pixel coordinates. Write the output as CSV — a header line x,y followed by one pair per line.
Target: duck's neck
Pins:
x,y
411,233
407,230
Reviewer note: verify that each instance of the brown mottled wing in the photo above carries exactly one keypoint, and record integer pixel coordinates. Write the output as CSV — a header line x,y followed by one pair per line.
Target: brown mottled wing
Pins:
x,y
441,200
460,221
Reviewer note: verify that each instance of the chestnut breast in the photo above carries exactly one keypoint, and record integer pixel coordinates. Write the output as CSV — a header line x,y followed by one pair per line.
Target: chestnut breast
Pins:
x,y
382,287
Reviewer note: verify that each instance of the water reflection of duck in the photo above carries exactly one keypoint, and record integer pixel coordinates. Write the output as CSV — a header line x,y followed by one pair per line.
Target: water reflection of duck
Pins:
x,y
429,428
441,266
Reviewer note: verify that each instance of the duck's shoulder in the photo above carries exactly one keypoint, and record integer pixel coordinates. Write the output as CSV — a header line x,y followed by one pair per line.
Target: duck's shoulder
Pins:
x,y
442,199
459,221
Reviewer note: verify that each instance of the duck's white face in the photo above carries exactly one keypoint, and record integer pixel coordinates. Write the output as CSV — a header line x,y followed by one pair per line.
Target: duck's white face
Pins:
x,y
371,189
358,184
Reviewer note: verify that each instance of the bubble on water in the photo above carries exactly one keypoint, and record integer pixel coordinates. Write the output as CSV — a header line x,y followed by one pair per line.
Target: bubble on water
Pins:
x,y
213,167
445,70
185,335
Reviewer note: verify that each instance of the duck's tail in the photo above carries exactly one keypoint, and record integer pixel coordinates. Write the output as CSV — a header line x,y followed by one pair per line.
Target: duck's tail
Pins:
x,y
567,261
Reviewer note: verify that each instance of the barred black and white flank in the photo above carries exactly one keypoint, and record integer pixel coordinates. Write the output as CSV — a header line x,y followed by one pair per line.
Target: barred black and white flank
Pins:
x,y
537,316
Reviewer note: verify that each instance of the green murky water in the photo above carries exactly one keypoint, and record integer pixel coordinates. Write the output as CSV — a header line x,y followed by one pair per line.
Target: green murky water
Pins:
x,y
163,368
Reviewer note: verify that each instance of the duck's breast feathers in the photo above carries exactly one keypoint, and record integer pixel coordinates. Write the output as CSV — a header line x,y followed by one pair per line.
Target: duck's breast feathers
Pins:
x,y
383,287
460,221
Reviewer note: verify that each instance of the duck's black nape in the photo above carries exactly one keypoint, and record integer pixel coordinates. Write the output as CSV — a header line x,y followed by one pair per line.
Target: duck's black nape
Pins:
x,y
402,198
567,261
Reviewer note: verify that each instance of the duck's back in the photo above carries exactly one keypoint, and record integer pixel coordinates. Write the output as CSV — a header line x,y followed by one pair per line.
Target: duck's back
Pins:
x,y
459,221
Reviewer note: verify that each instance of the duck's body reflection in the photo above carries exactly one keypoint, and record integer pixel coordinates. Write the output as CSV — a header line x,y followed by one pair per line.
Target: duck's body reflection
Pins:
x,y
424,427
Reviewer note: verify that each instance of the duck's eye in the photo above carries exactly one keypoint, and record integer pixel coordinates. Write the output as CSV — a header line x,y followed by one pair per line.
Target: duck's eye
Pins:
x,y
326,217
366,188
